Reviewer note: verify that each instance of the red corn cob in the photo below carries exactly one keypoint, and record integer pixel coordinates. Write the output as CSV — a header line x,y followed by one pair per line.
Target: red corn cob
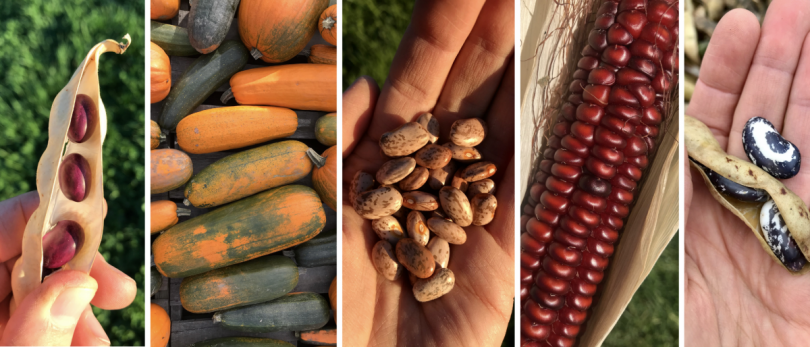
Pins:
x,y
592,164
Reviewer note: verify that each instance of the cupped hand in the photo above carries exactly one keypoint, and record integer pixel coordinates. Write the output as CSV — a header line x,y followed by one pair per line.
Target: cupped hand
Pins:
x,y
58,312
735,293
455,61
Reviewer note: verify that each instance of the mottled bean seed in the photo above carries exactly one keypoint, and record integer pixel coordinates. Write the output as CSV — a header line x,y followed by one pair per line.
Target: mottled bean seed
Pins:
x,y
388,228
415,180
377,203
440,177
431,124
384,260
361,182
395,170
463,154
440,250
433,156
468,132
447,230
456,205
483,208
478,171
417,227
436,286
420,201
778,237
407,139
483,186
416,258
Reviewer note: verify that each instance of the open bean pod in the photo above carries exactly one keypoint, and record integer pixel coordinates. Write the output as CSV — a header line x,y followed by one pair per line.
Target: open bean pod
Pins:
x,y
704,149
69,182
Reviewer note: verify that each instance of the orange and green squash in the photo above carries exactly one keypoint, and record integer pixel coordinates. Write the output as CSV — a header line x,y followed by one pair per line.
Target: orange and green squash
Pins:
x,y
238,341
324,175
170,169
156,136
208,22
326,129
322,54
298,86
322,337
164,214
277,30
224,128
173,39
161,326
164,9
292,312
328,24
160,73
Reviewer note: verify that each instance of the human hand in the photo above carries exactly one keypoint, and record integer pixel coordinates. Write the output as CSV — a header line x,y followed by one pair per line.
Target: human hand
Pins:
x,y
57,312
735,293
456,61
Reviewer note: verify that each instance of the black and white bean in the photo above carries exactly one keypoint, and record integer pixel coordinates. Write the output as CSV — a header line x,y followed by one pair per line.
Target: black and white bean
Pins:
x,y
777,235
769,150
733,189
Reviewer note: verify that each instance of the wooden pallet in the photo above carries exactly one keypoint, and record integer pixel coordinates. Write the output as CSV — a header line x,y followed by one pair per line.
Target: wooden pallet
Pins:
x,y
187,327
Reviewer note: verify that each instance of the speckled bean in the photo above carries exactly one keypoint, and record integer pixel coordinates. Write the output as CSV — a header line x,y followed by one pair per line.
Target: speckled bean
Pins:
x,y
468,132
395,170
408,138
435,287
440,177
484,186
478,171
416,258
388,228
458,182
417,227
431,124
456,205
440,214
433,156
377,203
483,208
420,201
361,182
463,154
447,230
384,260
440,250
415,180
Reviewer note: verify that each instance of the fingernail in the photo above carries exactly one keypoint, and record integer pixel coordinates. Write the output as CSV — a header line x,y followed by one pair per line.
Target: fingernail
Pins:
x,y
69,306
96,328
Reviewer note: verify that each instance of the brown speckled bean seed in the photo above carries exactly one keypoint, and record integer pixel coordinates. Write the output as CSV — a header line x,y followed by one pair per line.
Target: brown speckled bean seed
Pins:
x,y
478,171
447,230
395,170
412,278
440,214
468,132
431,124
433,156
388,228
456,205
463,154
420,201
440,177
486,186
417,227
440,250
408,138
415,180
458,182
377,203
435,287
416,258
361,182
483,208
384,260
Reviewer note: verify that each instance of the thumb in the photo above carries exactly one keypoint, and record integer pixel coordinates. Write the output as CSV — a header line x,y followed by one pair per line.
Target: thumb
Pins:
x,y
48,316
687,186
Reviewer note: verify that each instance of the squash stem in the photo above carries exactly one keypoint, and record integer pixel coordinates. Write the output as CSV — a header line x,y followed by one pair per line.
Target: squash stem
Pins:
x,y
316,159
183,212
255,53
186,202
226,96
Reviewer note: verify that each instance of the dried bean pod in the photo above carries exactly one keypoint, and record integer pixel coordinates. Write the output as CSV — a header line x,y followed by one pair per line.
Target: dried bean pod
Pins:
x,y
431,124
416,258
384,260
405,140
733,189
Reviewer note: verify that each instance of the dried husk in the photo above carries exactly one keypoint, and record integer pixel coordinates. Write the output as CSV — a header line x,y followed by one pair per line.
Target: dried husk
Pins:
x,y
54,206
703,148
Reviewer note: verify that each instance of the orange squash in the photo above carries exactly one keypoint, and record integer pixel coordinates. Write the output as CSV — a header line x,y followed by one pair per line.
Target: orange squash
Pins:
x,y
323,54
298,86
161,326
164,9
156,135
160,73
324,175
165,214
277,30
169,169
224,128
322,337
333,296
328,24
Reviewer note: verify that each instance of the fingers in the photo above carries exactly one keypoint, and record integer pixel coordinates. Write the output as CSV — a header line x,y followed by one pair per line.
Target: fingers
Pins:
x,y
797,121
5,282
49,314
769,81
116,290
358,106
14,214
89,331
724,71
499,145
477,71
437,31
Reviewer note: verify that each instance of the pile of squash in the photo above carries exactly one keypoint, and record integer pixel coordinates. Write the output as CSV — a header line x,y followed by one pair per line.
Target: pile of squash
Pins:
x,y
225,256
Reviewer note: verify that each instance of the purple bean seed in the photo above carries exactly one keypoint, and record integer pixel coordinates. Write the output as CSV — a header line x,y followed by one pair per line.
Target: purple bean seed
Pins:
x,y
60,244
74,177
83,119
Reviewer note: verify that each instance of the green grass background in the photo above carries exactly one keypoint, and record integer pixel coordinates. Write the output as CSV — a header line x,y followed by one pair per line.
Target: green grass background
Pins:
x,y
42,43
372,30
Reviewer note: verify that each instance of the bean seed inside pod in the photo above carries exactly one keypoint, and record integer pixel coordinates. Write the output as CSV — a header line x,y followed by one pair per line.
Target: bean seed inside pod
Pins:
x,y
456,205
441,283
483,208
447,230
395,170
408,138
463,154
417,228
59,245
433,156
415,180
468,132
377,203
420,201
83,120
416,258
384,260
74,177
777,235
361,182
769,150
388,228
440,250
431,124
733,189
478,171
